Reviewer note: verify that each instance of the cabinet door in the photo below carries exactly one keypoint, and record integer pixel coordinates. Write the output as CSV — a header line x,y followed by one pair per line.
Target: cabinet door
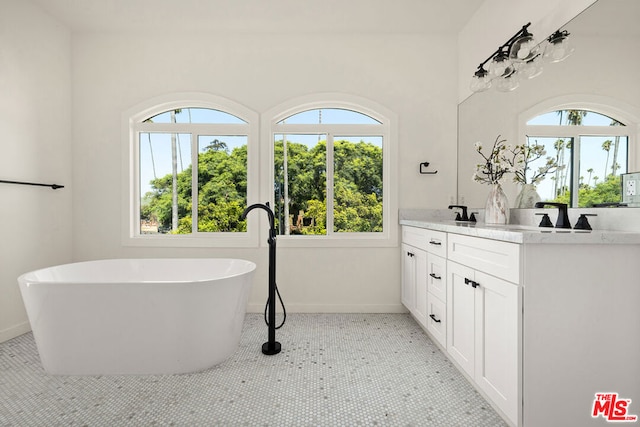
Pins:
x,y
496,347
461,316
407,295
420,305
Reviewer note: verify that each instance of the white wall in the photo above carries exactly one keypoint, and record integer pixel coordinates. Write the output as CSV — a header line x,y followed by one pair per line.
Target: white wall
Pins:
x,y
35,107
111,73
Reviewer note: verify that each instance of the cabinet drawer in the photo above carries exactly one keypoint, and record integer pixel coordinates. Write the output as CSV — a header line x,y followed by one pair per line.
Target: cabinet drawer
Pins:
x,y
436,243
437,276
432,241
437,319
500,259
414,236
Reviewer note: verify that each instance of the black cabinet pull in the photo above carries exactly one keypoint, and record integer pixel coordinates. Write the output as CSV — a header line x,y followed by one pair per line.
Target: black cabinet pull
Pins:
x,y
471,282
433,317
435,276
433,242
410,254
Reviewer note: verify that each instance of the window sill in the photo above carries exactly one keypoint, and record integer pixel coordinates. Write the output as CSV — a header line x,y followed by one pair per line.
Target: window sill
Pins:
x,y
191,241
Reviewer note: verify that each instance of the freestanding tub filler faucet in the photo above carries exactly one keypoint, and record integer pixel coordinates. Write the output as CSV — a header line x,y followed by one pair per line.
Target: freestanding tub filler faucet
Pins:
x,y
271,346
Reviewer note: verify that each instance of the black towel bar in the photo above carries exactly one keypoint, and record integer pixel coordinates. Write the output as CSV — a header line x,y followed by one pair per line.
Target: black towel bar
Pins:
x,y
53,186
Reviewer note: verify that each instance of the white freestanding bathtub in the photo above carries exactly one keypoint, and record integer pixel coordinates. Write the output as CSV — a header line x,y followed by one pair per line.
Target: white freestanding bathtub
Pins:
x,y
137,316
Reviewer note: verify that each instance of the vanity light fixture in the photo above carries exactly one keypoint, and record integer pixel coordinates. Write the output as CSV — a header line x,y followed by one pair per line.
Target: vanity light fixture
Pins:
x,y
519,57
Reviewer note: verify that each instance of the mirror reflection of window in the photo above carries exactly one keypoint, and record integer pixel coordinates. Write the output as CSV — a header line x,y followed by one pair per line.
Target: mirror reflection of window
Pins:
x,y
591,150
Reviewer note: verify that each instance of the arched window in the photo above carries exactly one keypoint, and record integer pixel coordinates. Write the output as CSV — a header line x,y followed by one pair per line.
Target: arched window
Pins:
x,y
591,149
332,170
190,169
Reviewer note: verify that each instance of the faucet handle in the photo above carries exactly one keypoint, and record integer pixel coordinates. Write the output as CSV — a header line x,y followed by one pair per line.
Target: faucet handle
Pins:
x,y
546,221
583,222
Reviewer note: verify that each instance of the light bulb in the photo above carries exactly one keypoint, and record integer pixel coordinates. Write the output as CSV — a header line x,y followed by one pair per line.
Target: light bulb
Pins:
x,y
523,49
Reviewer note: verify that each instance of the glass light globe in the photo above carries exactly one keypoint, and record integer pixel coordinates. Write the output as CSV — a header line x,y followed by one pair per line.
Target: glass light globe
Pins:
x,y
507,84
500,65
480,81
532,68
524,48
559,47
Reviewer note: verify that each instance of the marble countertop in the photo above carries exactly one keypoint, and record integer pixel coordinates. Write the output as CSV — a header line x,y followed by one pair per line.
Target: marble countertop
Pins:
x,y
525,234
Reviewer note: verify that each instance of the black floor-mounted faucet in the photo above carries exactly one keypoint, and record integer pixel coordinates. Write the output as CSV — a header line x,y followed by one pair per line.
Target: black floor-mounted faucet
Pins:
x,y
563,216
271,346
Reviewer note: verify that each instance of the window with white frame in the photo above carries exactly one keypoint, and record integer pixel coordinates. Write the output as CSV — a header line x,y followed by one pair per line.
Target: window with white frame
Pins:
x,y
591,150
190,172
331,172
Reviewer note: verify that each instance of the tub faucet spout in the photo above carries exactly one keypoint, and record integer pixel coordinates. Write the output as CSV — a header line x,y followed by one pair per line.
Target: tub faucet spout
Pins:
x,y
267,208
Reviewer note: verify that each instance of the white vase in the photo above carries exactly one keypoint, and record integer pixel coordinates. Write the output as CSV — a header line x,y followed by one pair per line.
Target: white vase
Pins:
x,y
496,211
528,197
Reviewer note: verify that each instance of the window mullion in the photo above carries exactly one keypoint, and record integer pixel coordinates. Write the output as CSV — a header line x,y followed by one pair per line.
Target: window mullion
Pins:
x,y
194,183
575,173
329,183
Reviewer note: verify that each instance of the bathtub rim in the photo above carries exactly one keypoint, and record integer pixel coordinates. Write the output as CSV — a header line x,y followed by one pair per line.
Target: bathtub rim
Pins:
x,y
30,278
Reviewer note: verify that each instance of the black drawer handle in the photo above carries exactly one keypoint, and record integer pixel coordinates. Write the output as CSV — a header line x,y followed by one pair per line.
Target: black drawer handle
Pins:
x,y
410,254
435,276
433,242
471,282
433,317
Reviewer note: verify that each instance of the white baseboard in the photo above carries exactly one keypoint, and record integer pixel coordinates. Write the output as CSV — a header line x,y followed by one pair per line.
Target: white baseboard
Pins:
x,y
14,331
333,308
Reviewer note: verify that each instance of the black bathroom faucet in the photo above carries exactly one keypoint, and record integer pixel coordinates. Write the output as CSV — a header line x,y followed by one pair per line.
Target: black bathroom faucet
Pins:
x,y
563,216
464,216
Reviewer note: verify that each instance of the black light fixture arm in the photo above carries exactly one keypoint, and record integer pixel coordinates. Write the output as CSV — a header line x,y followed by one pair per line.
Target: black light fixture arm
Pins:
x,y
506,46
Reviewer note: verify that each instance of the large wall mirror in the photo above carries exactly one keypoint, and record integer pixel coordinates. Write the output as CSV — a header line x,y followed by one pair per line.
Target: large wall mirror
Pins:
x,y
584,110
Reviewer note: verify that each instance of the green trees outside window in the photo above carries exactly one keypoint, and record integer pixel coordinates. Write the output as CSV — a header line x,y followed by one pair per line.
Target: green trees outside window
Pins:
x,y
222,190
307,201
301,198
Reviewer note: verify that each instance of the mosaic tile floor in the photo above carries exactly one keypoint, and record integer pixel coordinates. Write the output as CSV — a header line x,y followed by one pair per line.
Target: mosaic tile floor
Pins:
x,y
334,370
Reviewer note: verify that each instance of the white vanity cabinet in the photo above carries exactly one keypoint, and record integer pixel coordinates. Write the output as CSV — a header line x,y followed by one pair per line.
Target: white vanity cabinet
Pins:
x,y
424,277
482,316
464,293
540,321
